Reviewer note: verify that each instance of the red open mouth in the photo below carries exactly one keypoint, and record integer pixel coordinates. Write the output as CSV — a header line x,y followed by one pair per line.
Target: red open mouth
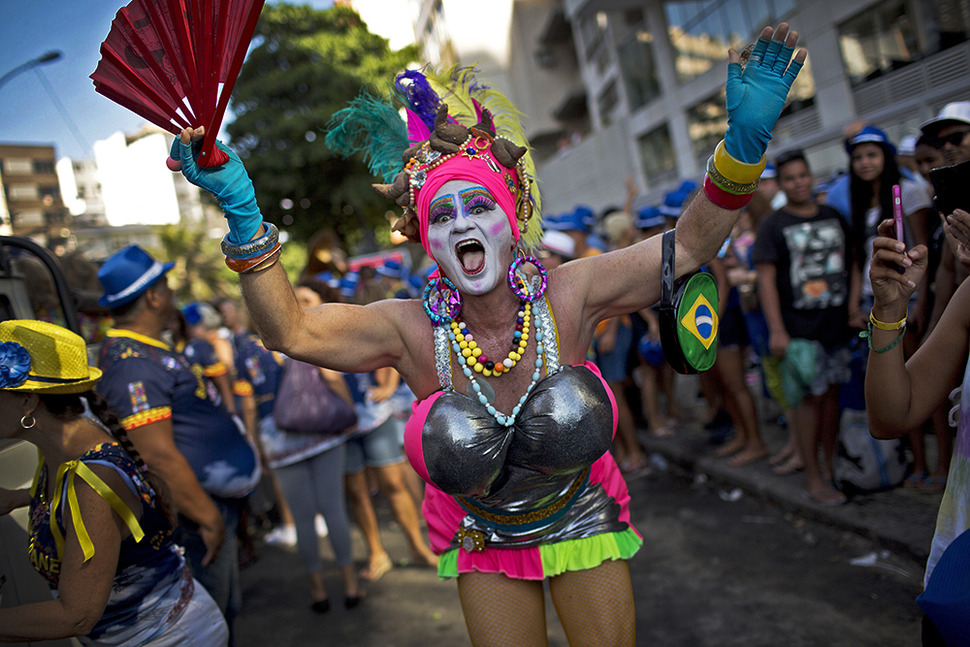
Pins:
x,y
471,255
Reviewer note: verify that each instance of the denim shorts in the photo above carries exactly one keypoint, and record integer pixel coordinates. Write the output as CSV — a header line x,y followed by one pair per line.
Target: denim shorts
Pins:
x,y
612,365
375,448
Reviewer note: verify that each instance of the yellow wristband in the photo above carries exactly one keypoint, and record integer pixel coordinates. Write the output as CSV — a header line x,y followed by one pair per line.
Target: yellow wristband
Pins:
x,y
888,326
736,170
727,184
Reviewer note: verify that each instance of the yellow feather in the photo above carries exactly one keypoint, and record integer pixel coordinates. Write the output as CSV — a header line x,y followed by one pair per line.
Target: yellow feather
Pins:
x,y
457,86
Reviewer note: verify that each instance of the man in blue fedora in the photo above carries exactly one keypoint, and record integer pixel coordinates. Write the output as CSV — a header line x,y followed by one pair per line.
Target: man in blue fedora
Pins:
x,y
177,421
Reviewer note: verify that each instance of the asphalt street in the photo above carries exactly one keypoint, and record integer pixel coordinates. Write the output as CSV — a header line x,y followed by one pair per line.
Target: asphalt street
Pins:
x,y
719,566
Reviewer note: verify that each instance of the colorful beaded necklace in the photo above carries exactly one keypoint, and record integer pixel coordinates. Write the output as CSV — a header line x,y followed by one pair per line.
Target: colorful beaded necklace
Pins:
x,y
472,355
481,392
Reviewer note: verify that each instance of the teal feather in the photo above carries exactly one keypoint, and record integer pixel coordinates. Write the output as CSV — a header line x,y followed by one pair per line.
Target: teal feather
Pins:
x,y
373,127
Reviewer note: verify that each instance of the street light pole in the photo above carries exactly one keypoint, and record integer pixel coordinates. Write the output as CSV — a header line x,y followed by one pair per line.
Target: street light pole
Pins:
x,y
47,57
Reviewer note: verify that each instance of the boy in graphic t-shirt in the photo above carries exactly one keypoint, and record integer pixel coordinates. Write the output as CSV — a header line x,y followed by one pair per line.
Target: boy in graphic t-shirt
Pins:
x,y
804,274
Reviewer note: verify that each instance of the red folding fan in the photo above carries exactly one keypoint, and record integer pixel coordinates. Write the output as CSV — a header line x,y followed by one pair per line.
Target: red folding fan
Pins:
x,y
174,62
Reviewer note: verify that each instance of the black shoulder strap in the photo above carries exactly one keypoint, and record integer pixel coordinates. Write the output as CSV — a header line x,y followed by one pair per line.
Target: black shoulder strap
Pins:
x,y
667,269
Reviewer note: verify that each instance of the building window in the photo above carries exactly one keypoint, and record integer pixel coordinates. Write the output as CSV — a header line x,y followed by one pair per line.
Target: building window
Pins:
x,y
607,103
28,218
43,167
895,33
53,192
18,166
706,123
593,30
22,192
657,151
701,31
638,68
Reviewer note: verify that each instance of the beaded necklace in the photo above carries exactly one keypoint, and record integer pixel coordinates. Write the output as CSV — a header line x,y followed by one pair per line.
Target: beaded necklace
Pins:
x,y
505,420
472,355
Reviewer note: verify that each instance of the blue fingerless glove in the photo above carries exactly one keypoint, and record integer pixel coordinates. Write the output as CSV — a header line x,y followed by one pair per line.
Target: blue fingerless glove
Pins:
x,y
755,98
229,183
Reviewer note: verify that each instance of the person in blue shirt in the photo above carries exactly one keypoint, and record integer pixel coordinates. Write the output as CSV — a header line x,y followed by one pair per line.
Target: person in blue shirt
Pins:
x,y
177,421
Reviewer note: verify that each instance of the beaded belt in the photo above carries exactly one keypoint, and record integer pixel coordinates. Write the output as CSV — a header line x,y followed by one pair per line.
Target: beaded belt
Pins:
x,y
524,521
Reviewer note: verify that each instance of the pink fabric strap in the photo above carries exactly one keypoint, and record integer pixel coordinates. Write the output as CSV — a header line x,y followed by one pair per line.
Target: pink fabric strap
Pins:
x,y
503,184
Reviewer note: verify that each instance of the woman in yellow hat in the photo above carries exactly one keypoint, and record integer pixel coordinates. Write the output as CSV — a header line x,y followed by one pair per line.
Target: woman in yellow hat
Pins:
x,y
100,530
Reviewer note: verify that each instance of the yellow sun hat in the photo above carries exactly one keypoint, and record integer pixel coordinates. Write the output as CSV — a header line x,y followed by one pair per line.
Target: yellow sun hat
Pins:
x,y
41,357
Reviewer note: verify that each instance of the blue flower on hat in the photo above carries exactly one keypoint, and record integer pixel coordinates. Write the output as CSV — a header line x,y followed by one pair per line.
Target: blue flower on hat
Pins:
x,y
14,365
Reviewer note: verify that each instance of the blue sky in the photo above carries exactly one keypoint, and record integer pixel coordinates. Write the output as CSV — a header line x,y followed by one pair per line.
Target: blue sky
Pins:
x,y
28,113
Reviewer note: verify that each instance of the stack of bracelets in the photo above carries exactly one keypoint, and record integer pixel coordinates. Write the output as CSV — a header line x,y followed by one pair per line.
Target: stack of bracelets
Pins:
x,y
729,182
881,325
256,255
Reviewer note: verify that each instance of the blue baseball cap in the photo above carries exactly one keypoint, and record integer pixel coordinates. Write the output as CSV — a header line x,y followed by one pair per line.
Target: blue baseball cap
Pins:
x,y
391,268
672,204
348,284
581,219
127,274
416,281
649,217
872,135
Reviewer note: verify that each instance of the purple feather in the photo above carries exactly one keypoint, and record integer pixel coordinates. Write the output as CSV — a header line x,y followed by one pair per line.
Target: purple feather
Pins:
x,y
421,99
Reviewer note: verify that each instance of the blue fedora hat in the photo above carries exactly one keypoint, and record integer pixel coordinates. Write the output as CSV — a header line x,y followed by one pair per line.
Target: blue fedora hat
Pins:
x,y
127,274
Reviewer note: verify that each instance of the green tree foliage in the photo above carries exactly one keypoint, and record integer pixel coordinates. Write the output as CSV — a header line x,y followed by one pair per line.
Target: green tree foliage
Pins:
x,y
200,272
305,65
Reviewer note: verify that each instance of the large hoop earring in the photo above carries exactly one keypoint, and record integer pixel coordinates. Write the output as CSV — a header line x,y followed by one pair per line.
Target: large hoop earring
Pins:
x,y
518,285
442,301
23,421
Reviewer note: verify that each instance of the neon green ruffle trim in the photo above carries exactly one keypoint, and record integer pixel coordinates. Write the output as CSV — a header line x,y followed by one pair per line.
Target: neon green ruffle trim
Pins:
x,y
569,555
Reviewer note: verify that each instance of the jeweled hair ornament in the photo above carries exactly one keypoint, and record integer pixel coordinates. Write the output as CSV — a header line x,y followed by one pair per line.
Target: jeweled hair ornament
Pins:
x,y
417,157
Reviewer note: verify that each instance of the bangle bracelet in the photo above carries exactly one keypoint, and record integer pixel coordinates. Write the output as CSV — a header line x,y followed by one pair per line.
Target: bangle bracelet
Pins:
x,y
253,248
722,198
266,264
867,334
243,265
888,326
729,185
735,169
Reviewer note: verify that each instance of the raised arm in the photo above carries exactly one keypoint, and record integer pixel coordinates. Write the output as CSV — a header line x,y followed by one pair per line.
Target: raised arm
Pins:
x,y
900,395
338,336
614,283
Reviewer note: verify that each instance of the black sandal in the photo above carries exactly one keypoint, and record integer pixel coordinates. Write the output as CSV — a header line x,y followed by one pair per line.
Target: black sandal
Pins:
x,y
320,607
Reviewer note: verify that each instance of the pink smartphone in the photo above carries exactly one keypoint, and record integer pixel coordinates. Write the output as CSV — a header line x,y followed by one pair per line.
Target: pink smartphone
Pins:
x,y
898,212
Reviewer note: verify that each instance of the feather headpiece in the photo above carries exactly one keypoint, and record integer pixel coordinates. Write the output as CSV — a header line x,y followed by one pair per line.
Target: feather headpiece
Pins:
x,y
437,142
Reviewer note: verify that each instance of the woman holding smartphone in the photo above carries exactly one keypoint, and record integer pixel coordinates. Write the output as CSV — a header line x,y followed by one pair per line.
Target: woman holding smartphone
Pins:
x,y
900,394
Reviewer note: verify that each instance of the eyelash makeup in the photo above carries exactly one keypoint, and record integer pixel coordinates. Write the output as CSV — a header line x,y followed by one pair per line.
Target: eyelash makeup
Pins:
x,y
477,197
443,206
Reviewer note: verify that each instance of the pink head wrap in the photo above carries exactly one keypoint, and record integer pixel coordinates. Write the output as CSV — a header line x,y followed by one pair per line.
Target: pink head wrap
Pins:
x,y
479,167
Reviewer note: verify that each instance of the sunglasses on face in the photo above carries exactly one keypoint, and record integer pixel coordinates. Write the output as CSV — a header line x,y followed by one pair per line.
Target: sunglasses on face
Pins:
x,y
954,139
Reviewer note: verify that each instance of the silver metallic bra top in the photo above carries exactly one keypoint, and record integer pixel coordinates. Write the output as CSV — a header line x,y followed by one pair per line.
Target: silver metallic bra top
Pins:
x,y
520,484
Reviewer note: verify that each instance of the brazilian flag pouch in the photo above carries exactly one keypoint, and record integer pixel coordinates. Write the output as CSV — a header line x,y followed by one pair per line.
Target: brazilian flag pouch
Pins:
x,y
688,315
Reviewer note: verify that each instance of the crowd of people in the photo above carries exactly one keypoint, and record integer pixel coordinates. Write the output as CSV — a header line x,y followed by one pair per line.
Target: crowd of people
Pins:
x,y
794,294
183,419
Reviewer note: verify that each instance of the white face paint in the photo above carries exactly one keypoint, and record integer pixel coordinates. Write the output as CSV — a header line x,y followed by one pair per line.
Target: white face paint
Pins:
x,y
470,236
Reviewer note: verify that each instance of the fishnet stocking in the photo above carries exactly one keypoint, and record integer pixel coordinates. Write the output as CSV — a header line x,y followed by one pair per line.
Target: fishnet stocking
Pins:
x,y
501,611
595,606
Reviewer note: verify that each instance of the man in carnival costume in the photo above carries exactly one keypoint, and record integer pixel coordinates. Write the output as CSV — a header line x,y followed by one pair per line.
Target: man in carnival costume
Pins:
x,y
512,428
